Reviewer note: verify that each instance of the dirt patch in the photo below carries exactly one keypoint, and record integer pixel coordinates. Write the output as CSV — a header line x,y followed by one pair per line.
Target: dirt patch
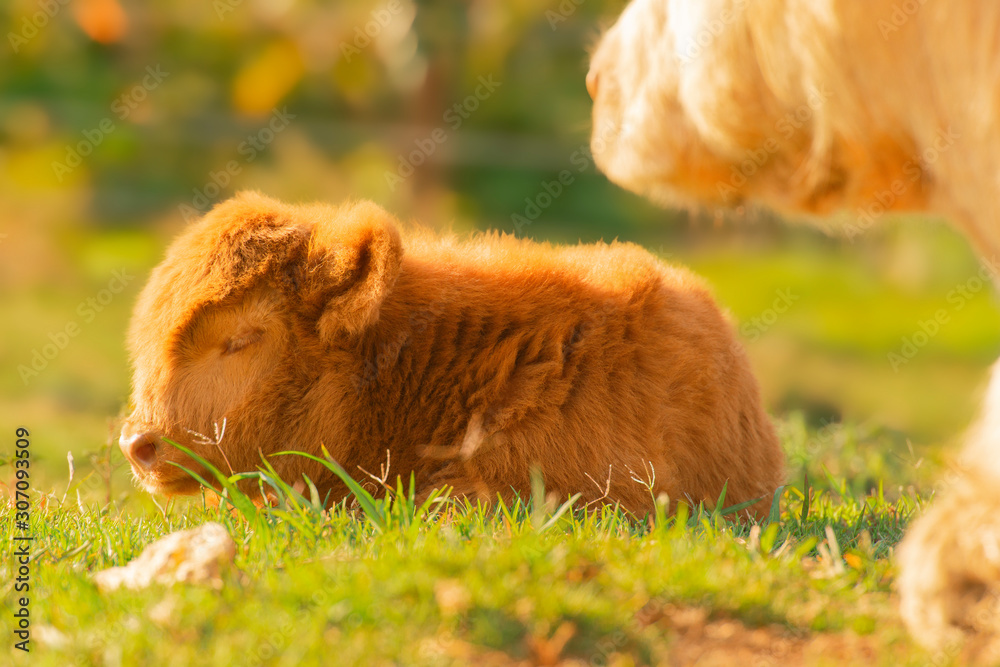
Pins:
x,y
696,639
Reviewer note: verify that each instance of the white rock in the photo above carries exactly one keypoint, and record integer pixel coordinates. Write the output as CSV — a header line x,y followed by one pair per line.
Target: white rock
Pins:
x,y
199,555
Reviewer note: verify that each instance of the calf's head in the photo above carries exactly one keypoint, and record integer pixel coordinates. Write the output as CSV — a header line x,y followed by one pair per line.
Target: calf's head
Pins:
x,y
726,101
231,329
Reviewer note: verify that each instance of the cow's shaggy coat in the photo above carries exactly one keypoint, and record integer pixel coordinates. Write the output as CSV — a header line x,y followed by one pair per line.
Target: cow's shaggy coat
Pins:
x,y
810,106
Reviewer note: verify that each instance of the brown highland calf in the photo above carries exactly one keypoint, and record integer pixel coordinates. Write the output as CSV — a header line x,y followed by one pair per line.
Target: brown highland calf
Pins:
x,y
815,106
469,361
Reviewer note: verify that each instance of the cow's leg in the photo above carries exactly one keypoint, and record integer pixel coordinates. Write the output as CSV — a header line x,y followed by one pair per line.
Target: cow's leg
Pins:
x,y
949,562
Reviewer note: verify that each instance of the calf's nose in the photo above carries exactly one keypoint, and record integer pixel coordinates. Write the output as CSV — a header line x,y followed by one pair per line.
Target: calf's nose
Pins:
x,y
138,448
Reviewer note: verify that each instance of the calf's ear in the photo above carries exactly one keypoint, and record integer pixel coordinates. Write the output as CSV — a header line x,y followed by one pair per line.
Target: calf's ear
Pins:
x,y
352,262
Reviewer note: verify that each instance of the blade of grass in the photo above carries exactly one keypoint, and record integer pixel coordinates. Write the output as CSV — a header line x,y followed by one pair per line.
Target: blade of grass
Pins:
x,y
237,498
841,488
775,514
733,509
365,499
559,512
722,498
805,501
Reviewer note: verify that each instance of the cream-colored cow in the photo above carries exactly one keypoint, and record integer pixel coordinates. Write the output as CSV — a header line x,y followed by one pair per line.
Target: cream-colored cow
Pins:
x,y
813,106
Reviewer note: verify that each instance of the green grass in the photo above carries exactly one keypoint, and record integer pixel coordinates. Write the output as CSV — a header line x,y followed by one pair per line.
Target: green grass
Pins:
x,y
392,581
459,585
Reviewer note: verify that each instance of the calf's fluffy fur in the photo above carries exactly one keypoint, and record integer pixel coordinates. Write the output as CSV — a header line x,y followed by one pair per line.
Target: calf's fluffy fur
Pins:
x,y
469,361
809,106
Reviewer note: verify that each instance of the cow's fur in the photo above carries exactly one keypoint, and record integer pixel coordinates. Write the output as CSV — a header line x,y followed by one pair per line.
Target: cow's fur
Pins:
x,y
469,361
812,106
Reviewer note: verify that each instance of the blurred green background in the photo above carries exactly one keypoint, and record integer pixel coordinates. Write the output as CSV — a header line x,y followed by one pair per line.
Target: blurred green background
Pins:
x,y
120,120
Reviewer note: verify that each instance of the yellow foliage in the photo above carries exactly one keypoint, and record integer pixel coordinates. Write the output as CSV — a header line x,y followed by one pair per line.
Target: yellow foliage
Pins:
x,y
261,83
